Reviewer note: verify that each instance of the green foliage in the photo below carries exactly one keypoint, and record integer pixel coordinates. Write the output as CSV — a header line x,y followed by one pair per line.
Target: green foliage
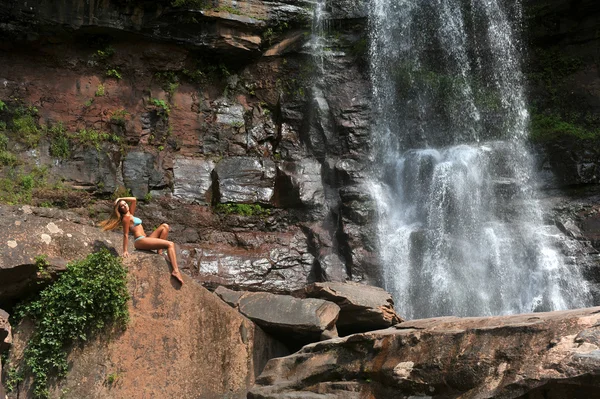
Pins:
x,y
162,105
24,123
100,91
113,73
242,209
17,188
41,263
105,53
60,146
169,81
2,105
90,294
6,157
14,376
553,127
148,197
121,192
94,138
118,117
89,102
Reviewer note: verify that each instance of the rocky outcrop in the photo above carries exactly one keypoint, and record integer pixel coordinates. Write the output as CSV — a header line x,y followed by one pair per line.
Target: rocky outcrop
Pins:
x,y
5,342
551,355
292,320
182,341
362,307
37,244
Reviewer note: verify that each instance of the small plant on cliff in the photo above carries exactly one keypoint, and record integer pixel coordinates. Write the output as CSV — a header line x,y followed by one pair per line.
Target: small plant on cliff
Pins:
x,y
242,209
161,105
89,295
104,53
25,125
113,73
2,105
60,146
100,91
42,265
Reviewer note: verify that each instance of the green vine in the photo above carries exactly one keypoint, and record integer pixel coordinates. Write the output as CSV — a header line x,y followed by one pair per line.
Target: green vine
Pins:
x,y
90,294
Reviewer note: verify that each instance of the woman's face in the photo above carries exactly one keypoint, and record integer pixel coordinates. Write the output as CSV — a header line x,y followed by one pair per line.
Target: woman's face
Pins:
x,y
123,207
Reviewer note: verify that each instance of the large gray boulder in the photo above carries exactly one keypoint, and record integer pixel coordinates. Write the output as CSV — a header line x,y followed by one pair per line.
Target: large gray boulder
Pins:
x,y
244,180
292,320
362,307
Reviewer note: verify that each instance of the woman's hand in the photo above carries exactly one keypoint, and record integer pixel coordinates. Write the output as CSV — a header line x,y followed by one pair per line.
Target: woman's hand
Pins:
x,y
125,254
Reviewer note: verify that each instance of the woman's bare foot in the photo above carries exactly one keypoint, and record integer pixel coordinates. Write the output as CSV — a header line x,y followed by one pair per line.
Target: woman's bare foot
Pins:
x,y
177,275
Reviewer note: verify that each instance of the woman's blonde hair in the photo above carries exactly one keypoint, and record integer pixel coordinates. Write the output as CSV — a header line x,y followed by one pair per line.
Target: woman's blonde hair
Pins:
x,y
114,221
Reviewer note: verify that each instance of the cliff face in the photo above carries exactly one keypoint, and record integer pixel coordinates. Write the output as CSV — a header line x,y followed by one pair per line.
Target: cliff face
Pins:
x,y
212,112
181,341
561,44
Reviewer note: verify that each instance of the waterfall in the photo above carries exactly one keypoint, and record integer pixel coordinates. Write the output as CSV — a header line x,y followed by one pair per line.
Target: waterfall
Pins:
x,y
460,229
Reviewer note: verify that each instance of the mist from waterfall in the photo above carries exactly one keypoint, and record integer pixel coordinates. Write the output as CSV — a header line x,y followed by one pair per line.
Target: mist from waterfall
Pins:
x,y
460,230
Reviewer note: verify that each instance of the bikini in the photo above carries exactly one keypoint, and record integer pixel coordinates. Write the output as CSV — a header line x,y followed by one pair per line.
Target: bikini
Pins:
x,y
137,222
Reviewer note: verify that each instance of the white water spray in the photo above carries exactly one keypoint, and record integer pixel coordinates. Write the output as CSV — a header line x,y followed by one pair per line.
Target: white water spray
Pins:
x,y
460,230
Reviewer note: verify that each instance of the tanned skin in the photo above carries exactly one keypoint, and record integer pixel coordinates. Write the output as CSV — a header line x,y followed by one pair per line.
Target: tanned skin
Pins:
x,y
157,240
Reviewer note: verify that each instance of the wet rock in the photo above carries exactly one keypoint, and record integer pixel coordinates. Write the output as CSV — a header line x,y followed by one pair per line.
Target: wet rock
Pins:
x,y
551,354
91,169
278,262
140,173
244,180
192,179
362,307
299,184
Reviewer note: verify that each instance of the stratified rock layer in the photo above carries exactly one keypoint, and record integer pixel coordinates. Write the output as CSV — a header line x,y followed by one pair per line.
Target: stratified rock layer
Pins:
x,y
181,342
551,355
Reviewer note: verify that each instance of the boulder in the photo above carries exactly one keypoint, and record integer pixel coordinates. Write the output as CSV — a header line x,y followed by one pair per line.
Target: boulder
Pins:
x,y
181,342
244,180
291,320
5,332
362,307
29,235
192,179
551,355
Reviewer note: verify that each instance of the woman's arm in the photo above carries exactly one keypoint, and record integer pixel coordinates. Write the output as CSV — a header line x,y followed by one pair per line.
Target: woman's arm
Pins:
x,y
126,222
132,203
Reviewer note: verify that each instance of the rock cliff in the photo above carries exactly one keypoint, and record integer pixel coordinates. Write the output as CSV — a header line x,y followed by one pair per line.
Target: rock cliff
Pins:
x,y
549,355
182,341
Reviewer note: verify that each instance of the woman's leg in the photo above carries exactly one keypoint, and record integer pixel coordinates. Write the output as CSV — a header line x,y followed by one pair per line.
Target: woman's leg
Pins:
x,y
161,232
158,243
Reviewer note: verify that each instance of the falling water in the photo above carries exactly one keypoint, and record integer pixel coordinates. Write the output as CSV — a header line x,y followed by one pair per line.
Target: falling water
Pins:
x,y
460,230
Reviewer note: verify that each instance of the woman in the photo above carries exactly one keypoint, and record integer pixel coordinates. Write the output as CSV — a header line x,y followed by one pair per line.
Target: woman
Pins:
x,y
123,214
